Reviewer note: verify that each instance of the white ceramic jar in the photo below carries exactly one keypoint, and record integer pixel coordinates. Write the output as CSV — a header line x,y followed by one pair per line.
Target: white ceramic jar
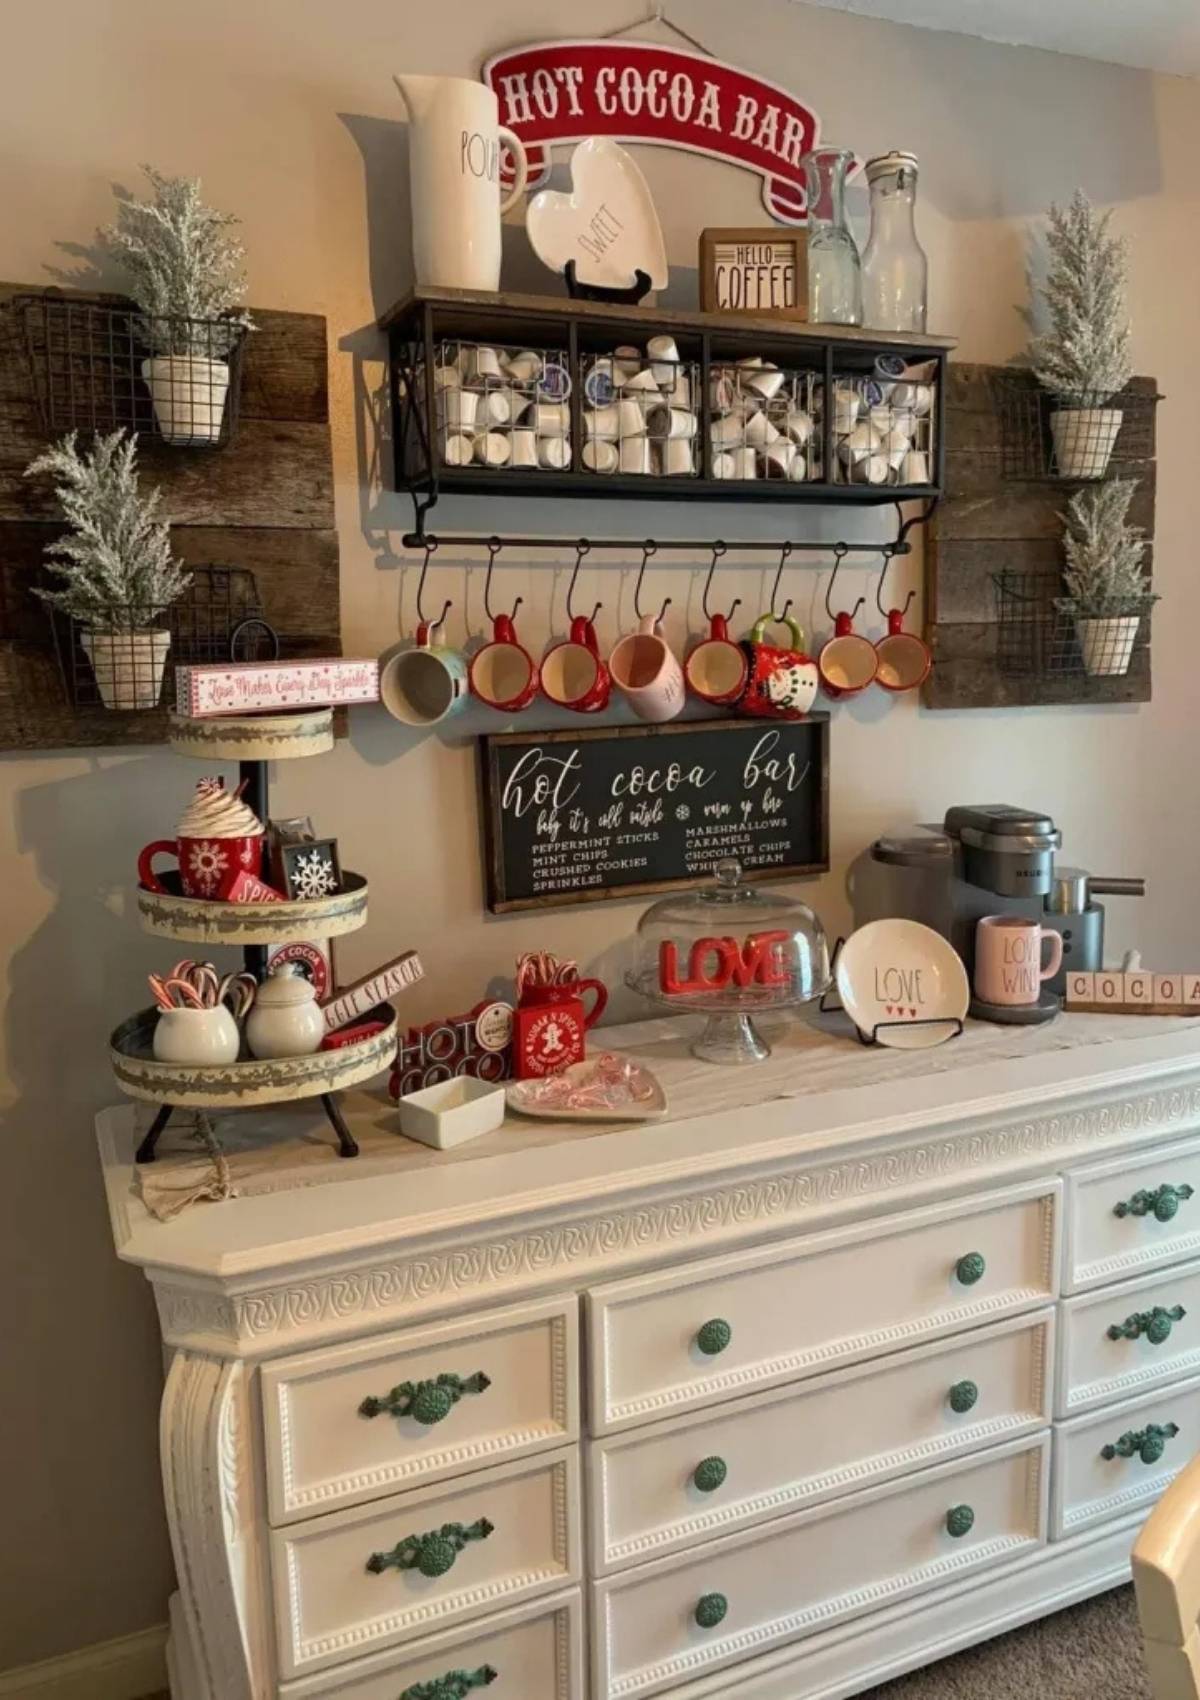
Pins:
x,y
286,1019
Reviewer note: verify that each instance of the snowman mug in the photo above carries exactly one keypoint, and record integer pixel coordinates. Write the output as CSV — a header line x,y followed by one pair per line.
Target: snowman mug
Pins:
x,y
781,684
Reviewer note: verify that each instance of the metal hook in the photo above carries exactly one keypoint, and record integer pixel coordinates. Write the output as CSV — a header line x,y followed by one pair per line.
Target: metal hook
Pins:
x,y
840,551
719,548
649,547
783,555
581,549
430,625
494,548
888,556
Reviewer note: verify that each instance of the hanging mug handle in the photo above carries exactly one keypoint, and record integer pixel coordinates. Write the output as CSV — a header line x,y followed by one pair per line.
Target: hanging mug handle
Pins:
x,y
795,629
517,148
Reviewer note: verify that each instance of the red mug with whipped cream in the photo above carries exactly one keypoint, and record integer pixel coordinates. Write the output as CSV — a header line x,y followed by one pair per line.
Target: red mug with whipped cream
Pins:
x,y
218,837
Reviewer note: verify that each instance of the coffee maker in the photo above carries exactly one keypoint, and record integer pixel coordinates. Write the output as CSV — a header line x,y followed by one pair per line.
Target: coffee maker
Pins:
x,y
987,859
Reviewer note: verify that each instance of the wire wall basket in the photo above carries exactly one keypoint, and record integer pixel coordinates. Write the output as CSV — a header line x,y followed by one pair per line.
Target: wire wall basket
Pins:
x,y
1036,637
130,663
496,406
1089,436
100,366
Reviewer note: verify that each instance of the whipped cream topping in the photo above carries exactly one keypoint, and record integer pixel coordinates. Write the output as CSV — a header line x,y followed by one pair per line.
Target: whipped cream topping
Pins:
x,y
215,812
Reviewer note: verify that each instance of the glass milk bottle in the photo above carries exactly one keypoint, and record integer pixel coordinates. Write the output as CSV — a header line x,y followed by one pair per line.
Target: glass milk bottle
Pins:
x,y
895,270
834,270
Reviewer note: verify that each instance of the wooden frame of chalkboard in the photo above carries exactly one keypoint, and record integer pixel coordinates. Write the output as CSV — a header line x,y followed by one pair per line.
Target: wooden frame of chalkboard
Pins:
x,y
524,807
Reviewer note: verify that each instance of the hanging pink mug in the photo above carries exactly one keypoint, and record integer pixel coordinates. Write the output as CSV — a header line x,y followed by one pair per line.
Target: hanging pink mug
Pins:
x,y
646,670
503,674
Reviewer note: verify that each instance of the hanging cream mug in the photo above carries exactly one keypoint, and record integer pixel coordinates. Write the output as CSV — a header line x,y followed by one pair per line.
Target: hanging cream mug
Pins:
x,y
455,139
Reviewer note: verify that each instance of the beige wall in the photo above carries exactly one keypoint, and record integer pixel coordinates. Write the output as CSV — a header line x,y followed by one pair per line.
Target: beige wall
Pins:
x,y
286,109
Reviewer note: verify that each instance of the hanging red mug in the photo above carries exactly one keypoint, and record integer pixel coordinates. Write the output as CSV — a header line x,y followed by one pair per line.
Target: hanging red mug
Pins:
x,y
847,662
904,660
573,675
503,674
716,669
781,684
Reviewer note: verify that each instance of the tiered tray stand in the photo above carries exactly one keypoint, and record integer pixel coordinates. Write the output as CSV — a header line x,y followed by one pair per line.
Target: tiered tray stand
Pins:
x,y
249,1083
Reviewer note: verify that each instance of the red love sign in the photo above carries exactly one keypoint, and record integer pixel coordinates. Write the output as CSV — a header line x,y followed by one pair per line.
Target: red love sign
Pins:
x,y
637,91
715,963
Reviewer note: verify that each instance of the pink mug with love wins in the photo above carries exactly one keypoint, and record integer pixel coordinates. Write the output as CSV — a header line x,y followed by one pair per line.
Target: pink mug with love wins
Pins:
x,y
1009,965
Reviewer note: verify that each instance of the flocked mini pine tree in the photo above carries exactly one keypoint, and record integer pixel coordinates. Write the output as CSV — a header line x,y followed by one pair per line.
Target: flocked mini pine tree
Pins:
x,y
1107,592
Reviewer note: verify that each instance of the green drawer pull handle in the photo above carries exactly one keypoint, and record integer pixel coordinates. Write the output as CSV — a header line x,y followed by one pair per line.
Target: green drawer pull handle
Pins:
x,y
427,1401
453,1686
1161,1202
1154,1324
710,1609
433,1553
710,1474
1147,1443
963,1396
970,1268
960,1520
713,1336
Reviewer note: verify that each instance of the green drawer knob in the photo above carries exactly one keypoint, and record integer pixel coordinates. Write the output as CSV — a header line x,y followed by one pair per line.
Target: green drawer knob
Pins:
x,y
710,1474
960,1520
1154,1325
1147,1443
970,1268
710,1610
713,1336
426,1401
455,1685
433,1553
963,1396
1161,1202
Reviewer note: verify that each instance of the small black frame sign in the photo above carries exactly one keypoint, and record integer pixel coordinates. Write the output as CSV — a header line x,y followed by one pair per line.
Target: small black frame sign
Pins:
x,y
577,817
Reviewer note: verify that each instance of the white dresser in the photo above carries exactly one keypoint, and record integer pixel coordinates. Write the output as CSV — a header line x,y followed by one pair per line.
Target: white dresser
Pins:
x,y
856,1359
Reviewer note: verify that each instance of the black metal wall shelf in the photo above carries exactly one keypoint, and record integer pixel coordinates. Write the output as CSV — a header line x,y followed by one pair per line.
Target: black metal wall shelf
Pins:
x,y
577,333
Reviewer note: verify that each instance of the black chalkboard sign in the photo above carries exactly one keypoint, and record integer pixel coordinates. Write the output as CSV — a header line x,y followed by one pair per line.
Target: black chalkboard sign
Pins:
x,y
576,817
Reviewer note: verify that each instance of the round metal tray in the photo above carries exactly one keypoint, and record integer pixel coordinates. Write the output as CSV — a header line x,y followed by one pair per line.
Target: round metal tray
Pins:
x,y
253,737
250,1082
196,920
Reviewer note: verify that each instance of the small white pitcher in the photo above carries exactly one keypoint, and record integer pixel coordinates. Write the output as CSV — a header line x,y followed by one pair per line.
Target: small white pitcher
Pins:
x,y
196,1036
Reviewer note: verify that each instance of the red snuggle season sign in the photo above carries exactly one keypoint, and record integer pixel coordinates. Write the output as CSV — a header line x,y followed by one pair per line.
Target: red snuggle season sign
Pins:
x,y
636,91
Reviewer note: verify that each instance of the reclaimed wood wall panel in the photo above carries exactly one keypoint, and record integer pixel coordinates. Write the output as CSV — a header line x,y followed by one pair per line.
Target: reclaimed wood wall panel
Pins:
x,y
986,524
264,502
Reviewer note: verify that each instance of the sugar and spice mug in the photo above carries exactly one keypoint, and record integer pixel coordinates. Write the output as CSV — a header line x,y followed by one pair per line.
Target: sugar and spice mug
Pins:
x,y
503,674
573,675
781,684
646,670
422,683
1008,959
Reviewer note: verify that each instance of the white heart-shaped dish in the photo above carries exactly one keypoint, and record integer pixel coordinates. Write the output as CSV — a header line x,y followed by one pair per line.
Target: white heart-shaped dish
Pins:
x,y
606,223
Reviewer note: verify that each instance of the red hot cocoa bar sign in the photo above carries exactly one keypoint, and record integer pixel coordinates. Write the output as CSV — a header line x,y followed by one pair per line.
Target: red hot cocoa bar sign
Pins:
x,y
636,91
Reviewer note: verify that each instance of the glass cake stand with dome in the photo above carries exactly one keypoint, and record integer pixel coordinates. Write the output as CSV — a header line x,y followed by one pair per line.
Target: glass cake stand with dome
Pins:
x,y
730,953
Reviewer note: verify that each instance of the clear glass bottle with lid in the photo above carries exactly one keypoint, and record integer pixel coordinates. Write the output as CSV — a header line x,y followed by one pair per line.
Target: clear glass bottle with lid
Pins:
x,y
895,268
730,952
834,267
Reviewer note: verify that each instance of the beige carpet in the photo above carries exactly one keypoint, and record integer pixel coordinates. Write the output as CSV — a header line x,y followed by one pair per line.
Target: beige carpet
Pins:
x,y
1092,1652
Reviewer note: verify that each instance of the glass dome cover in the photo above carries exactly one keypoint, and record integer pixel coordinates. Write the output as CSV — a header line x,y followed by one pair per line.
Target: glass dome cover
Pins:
x,y
729,952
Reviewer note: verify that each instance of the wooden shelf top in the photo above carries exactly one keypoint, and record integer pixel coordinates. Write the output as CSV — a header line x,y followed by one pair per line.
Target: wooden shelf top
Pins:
x,y
505,304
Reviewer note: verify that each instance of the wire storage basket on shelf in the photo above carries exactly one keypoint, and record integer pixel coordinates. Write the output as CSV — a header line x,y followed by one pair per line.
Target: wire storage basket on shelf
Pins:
x,y
1036,637
1087,436
129,662
494,406
99,365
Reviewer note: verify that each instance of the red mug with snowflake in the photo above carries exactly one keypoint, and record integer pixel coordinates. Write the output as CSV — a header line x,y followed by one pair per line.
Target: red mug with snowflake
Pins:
x,y
207,866
781,683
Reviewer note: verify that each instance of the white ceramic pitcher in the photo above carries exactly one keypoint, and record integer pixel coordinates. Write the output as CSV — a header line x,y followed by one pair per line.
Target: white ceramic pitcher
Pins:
x,y
454,146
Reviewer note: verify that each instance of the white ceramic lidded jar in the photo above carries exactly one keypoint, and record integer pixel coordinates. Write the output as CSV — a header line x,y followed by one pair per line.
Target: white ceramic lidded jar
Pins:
x,y
286,1020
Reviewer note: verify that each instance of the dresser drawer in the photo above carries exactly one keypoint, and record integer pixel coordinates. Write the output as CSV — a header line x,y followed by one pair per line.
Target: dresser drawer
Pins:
x,y
795,1446
535,1652
1132,1214
520,1395
523,1525
1090,1487
687,1336
662,1623
1095,1368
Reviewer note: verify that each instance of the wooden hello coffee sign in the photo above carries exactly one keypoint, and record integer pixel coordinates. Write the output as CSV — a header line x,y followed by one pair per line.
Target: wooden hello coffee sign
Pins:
x,y
555,92
577,817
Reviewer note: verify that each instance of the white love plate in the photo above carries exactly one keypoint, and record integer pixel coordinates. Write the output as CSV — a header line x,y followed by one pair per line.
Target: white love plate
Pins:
x,y
901,972
609,1088
606,224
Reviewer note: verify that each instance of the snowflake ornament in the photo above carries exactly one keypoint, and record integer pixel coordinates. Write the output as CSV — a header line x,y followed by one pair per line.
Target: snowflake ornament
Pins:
x,y
312,874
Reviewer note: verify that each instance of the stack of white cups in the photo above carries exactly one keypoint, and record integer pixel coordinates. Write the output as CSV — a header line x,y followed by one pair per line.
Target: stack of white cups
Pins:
x,y
639,412
499,407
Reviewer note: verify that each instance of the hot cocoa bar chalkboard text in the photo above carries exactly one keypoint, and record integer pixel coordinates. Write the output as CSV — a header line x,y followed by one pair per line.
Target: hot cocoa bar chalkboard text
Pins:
x,y
575,817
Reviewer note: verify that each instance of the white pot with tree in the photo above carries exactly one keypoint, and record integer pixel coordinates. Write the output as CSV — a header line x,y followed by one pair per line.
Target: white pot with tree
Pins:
x,y
184,272
1082,357
1108,595
115,565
